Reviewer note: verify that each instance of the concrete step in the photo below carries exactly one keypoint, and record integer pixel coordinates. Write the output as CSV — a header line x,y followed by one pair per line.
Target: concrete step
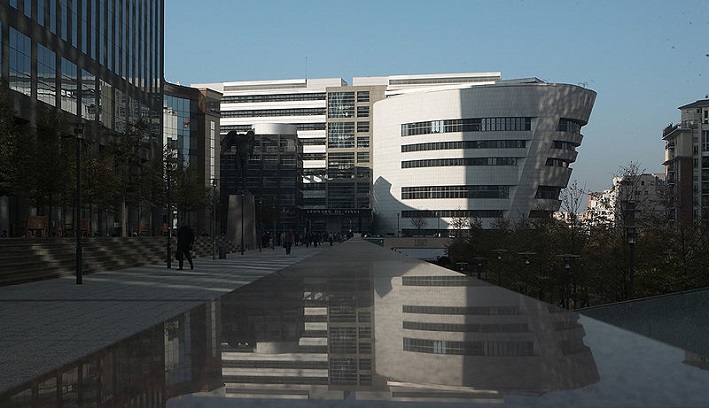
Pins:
x,y
25,260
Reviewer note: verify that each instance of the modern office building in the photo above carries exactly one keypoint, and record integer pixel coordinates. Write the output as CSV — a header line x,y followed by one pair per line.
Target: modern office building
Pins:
x,y
301,102
369,148
481,152
191,135
274,178
687,163
96,64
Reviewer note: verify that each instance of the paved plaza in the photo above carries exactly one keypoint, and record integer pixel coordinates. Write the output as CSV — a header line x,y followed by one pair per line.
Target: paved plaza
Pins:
x,y
45,325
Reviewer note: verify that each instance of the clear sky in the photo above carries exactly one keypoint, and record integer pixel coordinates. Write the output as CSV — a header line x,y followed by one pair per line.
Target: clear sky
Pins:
x,y
644,58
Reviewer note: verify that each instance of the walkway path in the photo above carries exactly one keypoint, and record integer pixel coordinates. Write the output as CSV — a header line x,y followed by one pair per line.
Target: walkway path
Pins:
x,y
44,325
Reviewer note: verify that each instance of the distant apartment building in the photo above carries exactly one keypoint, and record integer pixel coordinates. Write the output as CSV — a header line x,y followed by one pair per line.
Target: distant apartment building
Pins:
x,y
687,163
646,191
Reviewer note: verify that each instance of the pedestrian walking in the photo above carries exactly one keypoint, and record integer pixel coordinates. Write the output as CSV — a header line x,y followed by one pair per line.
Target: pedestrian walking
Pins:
x,y
288,241
185,240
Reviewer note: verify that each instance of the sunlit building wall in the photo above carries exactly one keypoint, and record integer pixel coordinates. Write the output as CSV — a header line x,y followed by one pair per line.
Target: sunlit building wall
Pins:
x,y
481,152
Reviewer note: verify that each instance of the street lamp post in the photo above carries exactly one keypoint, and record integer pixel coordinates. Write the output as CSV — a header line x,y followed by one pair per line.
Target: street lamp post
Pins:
x,y
168,169
438,226
479,265
214,218
273,212
398,227
77,222
242,221
498,252
260,224
566,295
526,255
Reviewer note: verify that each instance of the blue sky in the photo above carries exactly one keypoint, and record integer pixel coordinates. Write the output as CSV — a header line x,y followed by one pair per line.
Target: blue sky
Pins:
x,y
644,58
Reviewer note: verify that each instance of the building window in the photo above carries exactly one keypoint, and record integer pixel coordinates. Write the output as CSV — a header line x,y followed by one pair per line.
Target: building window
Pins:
x,y
560,145
340,105
74,26
363,142
469,144
363,111
508,124
464,191
467,161
88,95
69,88
469,348
53,16
452,213
362,157
340,134
40,12
569,125
548,192
340,165
105,105
557,163
274,98
362,96
362,127
46,75
273,112
20,62
64,19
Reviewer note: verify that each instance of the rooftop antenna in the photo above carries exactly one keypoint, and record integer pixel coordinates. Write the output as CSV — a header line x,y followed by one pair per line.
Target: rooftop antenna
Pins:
x,y
306,69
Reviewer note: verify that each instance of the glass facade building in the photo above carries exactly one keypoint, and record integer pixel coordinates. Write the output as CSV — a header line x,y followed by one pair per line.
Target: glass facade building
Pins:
x,y
191,133
99,63
89,57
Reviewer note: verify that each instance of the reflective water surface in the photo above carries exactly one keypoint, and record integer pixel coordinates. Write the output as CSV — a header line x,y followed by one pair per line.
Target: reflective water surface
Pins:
x,y
384,330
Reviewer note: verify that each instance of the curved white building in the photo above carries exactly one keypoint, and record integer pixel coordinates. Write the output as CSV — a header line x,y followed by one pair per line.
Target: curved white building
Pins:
x,y
481,152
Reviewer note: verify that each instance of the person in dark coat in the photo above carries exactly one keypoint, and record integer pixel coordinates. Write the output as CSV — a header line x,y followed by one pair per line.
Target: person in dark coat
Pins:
x,y
288,241
185,240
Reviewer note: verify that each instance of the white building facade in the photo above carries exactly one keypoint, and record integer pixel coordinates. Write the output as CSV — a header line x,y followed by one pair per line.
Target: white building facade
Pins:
x,y
474,151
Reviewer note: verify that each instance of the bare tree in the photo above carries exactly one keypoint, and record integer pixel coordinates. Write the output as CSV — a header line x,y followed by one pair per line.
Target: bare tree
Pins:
x,y
419,222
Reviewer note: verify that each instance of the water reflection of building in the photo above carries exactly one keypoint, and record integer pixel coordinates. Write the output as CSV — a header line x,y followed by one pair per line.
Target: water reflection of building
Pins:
x,y
145,370
435,327
388,327
312,339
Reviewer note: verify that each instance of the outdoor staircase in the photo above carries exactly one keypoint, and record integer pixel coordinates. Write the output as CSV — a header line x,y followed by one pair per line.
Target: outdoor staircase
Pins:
x,y
30,259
